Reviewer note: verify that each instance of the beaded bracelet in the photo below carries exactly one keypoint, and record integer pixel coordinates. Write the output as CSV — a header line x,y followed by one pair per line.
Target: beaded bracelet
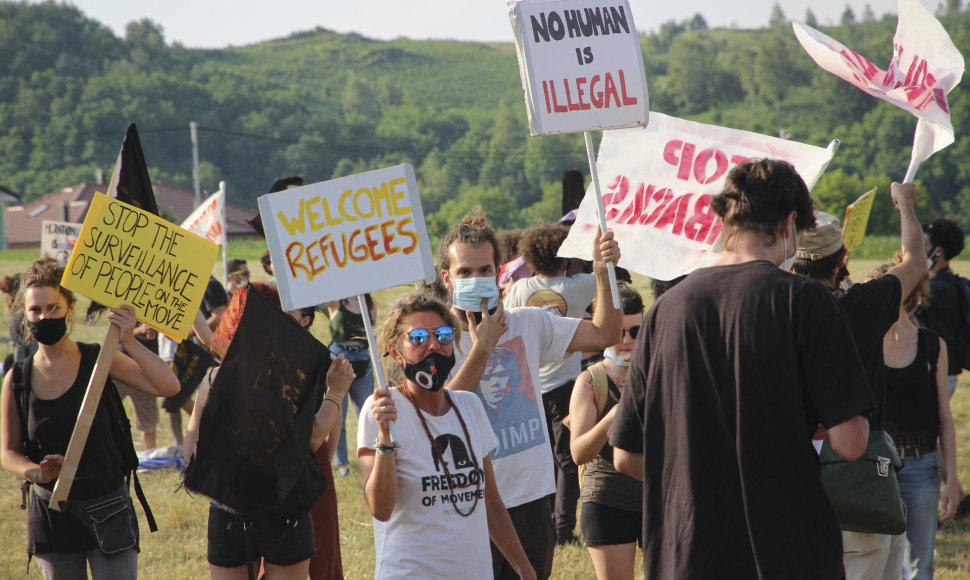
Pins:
x,y
385,449
333,399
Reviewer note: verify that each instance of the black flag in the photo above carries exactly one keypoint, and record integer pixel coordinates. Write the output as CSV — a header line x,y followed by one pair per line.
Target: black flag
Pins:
x,y
129,183
254,438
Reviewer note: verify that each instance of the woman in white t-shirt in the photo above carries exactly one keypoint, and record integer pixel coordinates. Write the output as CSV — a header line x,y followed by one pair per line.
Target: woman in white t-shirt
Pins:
x,y
433,497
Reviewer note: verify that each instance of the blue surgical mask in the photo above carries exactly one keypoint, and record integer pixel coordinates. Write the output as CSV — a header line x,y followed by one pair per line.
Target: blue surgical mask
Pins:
x,y
469,292
612,356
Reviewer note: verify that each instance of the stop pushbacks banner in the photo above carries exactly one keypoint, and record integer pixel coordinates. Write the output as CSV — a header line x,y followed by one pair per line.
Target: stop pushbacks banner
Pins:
x,y
658,183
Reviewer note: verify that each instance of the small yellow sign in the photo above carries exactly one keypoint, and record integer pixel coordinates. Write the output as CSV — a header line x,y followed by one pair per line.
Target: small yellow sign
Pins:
x,y
128,256
856,220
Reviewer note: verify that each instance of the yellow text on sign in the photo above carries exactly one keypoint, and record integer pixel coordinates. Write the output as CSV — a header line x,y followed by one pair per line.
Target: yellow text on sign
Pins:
x,y
128,256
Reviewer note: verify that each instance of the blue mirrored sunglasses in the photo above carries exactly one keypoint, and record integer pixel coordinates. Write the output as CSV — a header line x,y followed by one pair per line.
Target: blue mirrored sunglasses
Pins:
x,y
444,335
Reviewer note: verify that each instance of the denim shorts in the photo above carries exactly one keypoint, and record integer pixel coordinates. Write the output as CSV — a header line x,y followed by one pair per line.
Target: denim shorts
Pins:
x,y
280,541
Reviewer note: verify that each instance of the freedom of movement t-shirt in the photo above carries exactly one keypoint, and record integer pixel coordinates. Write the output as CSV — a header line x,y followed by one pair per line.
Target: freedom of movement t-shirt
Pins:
x,y
425,537
731,374
509,388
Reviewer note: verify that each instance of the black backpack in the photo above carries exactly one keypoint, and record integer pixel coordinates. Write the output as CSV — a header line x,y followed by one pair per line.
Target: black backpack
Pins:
x,y
117,417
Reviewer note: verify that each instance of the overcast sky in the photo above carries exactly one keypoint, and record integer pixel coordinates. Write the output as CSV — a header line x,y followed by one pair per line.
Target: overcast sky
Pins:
x,y
220,23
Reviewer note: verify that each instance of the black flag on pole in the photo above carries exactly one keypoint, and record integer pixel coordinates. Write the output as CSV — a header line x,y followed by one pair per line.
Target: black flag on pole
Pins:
x,y
129,181
254,438
130,184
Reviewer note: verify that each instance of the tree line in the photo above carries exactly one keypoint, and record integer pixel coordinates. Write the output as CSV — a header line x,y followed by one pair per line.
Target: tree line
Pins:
x,y
322,105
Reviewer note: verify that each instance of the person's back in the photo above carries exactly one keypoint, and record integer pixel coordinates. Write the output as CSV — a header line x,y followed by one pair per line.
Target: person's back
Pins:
x,y
742,395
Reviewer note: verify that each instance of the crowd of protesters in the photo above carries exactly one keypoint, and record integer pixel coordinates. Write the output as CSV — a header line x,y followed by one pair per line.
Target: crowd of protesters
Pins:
x,y
517,392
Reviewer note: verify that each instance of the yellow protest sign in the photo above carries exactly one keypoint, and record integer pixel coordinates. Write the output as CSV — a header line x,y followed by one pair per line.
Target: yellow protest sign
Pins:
x,y
128,256
856,220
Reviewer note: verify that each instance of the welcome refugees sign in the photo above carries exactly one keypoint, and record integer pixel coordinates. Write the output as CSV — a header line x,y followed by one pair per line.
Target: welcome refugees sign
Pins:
x,y
349,236
125,255
581,65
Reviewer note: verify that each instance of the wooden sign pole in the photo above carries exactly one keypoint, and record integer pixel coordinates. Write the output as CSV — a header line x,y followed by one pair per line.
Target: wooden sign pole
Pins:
x,y
85,418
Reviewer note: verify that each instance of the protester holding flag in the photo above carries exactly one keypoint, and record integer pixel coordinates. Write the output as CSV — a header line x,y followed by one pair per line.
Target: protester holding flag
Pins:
x,y
612,508
434,499
35,437
284,542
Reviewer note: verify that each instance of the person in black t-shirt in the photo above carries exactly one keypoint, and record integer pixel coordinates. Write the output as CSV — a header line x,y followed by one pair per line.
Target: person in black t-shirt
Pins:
x,y
732,371
945,314
871,308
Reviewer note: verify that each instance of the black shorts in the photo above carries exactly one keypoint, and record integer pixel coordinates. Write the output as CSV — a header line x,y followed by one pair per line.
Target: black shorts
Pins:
x,y
281,542
603,525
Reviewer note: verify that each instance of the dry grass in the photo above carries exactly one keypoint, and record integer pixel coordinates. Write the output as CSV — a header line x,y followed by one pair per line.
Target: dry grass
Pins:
x,y
178,549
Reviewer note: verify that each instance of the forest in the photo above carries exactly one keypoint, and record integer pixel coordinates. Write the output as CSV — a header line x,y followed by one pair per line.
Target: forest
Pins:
x,y
323,105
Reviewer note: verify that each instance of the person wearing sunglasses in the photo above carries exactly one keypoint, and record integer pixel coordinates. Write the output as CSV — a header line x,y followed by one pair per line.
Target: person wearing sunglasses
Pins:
x,y
503,368
433,497
611,512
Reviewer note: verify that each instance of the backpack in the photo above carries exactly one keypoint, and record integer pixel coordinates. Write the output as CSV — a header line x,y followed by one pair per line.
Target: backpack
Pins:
x,y
600,395
117,418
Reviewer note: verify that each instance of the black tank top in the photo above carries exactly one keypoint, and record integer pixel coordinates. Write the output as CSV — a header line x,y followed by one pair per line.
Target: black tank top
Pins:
x,y
912,406
51,423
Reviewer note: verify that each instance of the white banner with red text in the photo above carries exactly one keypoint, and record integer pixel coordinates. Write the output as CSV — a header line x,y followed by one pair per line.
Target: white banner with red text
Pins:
x,y
657,185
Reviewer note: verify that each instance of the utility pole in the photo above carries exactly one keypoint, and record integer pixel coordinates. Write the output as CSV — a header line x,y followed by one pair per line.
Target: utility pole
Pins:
x,y
194,129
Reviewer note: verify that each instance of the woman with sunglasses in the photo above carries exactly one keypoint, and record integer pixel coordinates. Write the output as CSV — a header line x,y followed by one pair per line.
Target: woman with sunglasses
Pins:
x,y
433,497
610,514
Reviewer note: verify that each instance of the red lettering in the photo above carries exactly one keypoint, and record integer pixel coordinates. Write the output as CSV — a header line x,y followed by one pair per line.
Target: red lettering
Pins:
x,y
294,261
408,234
555,105
626,99
388,238
699,224
580,93
685,160
700,165
352,249
610,89
545,91
372,243
622,186
663,196
634,209
596,97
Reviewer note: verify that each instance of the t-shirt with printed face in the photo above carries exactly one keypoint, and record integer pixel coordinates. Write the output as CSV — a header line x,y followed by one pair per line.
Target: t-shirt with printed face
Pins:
x,y
567,296
509,388
732,372
425,537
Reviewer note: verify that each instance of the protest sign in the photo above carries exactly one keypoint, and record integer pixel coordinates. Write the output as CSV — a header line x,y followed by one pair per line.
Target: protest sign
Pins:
x,y
856,220
580,64
924,67
209,219
659,182
128,256
57,239
346,237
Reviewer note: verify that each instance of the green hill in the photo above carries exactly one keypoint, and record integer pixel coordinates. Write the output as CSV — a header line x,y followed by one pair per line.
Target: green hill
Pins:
x,y
322,104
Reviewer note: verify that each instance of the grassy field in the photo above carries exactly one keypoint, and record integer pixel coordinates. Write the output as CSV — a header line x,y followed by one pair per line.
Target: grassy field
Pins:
x,y
178,549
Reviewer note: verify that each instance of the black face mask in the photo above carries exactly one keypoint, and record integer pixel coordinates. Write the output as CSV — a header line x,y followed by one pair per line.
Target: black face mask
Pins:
x,y
48,330
431,372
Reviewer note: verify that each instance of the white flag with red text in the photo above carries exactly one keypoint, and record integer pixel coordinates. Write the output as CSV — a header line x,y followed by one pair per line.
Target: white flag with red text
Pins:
x,y
924,67
209,219
657,183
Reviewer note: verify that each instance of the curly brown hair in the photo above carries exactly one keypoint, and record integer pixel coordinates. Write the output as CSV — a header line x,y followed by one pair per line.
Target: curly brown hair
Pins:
x,y
510,241
473,229
758,195
420,300
539,246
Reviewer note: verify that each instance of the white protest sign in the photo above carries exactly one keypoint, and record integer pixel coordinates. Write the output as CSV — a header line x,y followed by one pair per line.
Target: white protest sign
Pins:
x,y
658,184
57,239
209,219
348,236
925,66
581,65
